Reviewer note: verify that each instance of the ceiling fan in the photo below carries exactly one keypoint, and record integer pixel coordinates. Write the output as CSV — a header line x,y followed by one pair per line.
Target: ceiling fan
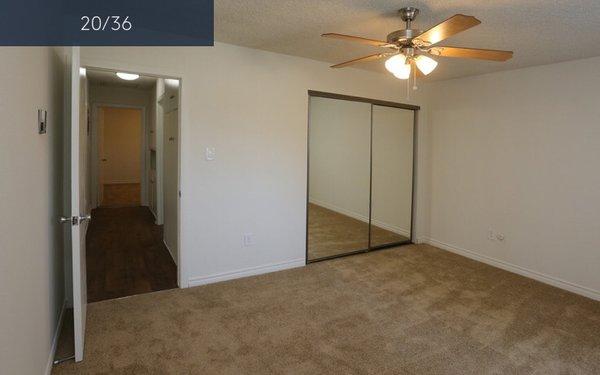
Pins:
x,y
411,47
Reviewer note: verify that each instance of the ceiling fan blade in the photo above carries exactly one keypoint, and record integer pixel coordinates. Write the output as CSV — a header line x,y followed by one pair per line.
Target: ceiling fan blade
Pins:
x,y
360,59
446,29
471,53
372,42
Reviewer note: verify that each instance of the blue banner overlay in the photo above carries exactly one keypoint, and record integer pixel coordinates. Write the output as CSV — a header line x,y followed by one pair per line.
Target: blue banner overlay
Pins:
x,y
106,23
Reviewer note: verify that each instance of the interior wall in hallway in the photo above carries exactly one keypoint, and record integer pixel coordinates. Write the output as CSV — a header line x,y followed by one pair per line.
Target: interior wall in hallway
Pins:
x,y
170,170
31,243
515,154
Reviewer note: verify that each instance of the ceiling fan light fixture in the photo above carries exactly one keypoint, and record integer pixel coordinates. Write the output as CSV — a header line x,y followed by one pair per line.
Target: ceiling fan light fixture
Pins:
x,y
425,64
128,76
395,63
403,72
398,66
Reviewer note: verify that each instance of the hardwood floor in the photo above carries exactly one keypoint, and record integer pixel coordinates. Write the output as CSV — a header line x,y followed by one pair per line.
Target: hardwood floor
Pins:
x,y
121,195
126,254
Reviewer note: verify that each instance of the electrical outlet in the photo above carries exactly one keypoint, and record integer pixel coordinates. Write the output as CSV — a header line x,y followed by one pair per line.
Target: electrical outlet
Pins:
x,y
491,236
248,239
500,237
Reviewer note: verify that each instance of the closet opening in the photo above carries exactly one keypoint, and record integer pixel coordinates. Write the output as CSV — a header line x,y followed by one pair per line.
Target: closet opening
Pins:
x,y
361,162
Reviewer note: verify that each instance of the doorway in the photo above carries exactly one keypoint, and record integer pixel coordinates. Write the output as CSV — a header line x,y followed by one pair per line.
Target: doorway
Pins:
x,y
132,238
114,240
120,134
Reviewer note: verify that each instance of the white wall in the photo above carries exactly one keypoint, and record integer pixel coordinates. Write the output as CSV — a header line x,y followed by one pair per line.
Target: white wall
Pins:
x,y
31,250
517,152
252,106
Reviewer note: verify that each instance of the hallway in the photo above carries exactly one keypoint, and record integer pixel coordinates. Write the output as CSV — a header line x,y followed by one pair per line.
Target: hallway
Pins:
x,y
126,254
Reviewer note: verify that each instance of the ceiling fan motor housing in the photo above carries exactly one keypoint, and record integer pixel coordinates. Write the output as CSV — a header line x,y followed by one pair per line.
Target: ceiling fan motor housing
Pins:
x,y
403,37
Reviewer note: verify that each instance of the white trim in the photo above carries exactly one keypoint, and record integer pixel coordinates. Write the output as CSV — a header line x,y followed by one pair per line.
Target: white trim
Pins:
x,y
61,318
363,218
153,213
203,280
168,248
547,279
391,228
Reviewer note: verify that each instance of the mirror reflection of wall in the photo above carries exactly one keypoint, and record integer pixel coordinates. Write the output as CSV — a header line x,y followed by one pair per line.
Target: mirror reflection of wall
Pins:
x,y
339,157
392,171
360,176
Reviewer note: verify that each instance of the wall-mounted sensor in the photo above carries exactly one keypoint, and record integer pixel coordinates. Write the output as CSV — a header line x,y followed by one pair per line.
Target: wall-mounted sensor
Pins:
x,y
42,115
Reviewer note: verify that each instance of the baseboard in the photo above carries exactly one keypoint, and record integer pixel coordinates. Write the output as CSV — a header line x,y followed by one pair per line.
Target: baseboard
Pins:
x,y
153,214
391,228
61,318
363,218
252,271
170,252
547,279
340,210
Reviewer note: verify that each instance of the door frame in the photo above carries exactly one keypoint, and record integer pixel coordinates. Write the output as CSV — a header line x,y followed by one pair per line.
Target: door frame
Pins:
x,y
112,66
95,164
372,102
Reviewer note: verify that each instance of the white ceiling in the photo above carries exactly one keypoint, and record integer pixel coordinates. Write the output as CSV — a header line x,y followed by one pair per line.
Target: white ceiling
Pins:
x,y
538,31
108,78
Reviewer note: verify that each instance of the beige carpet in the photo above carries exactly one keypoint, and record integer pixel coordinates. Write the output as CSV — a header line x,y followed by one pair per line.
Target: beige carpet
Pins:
x,y
331,233
408,310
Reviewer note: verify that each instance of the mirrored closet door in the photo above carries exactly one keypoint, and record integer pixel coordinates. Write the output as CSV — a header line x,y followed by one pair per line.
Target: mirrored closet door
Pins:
x,y
392,175
360,175
339,182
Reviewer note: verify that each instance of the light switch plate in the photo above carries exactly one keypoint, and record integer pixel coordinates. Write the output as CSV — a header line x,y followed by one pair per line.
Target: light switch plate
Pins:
x,y
42,121
211,153
248,239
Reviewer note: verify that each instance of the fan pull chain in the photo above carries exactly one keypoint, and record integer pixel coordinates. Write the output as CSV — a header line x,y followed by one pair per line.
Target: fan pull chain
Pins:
x,y
415,77
415,80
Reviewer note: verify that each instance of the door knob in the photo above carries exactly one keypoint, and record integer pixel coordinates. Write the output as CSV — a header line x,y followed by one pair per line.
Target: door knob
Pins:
x,y
75,219
64,220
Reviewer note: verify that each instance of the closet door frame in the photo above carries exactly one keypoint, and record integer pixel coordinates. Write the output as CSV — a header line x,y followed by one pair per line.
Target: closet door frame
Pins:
x,y
372,102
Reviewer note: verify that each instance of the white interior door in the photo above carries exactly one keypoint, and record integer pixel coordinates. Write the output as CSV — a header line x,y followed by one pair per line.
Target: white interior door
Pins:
x,y
170,173
76,120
